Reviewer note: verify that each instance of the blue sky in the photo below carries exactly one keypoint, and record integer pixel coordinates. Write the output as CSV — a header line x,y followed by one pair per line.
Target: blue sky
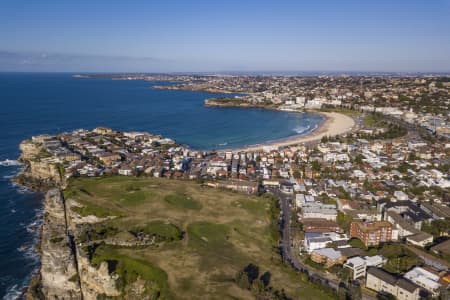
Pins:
x,y
245,35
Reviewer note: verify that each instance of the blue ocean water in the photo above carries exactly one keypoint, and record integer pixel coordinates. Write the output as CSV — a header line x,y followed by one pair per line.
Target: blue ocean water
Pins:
x,y
31,104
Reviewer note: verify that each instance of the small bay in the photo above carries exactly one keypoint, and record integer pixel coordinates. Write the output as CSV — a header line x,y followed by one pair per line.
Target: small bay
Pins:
x,y
35,103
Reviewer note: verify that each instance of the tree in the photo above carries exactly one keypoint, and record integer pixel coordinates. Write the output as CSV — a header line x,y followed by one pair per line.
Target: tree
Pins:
x,y
242,280
357,243
344,220
367,185
315,165
252,271
412,156
359,159
403,168
297,174
355,292
437,227
257,286
266,278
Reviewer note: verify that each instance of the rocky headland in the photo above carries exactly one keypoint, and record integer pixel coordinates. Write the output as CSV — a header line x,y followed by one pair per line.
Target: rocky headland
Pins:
x,y
66,271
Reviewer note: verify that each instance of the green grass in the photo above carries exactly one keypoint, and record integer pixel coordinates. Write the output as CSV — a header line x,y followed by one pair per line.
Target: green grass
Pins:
x,y
97,232
213,243
129,269
254,206
163,231
134,198
89,209
345,111
220,232
182,201
208,234
374,120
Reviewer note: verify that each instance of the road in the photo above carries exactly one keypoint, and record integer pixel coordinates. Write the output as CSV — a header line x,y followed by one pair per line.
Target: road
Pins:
x,y
326,279
286,249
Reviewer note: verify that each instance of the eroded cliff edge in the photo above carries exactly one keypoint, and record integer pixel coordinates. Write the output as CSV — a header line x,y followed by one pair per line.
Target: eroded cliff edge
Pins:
x,y
42,171
58,276
66,270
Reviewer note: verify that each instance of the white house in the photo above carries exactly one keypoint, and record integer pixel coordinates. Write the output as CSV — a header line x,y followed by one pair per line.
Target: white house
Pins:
x,y
424,279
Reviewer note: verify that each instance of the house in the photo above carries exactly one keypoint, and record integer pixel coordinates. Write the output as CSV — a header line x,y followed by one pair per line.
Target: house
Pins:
x,y
358,174
401,227
319,213
420,239
312,243
320,225
125,171
381,281
287,187
301,199
442,248
358,265
436,211
102,130
70,156
327,256
315,240
248,187
271,183
424,279
375,261
108,157
408,210
401,196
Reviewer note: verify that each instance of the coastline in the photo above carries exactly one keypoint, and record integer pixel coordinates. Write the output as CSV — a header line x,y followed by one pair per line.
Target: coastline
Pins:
x,y
334,124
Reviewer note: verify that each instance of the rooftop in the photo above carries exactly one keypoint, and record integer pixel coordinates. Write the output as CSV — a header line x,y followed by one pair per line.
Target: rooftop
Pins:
x,y
369,226
330,253
423,277
383,275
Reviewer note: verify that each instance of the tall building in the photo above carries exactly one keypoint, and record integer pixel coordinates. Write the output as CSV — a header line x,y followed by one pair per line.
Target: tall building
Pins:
x,y
372,233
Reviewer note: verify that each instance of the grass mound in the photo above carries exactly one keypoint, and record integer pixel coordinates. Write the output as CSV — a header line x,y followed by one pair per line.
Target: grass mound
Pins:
x,y
130,269
182,201
161,230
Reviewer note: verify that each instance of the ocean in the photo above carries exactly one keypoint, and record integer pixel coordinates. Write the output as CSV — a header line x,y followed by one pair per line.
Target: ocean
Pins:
x,y
33,103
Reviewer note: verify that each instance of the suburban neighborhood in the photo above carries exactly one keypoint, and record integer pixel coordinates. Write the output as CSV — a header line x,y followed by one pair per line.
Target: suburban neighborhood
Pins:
x,y
368,209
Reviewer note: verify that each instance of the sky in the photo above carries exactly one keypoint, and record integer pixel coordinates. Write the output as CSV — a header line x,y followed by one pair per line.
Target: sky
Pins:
x,y
227,35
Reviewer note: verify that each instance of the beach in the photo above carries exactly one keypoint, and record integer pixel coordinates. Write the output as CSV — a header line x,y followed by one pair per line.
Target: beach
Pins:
x,y
334,124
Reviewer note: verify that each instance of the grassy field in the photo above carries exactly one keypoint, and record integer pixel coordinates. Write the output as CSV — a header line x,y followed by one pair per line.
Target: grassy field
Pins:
x,y
341,110
373,120
206,237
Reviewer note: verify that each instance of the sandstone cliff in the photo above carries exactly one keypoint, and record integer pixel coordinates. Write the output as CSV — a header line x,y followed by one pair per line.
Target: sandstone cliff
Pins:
x,y
41,171
59,275
29,150
94,280
66,271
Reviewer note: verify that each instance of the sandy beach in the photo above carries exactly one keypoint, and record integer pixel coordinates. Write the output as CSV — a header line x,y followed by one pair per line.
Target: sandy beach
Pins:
x,y
334,124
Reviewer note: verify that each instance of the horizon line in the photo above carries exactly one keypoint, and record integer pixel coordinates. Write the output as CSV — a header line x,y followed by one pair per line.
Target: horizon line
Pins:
x,y
238,72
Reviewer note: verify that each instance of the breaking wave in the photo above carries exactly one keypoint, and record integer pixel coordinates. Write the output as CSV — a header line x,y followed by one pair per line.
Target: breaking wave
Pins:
x,y
13,292
10,163
301,129
28,250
